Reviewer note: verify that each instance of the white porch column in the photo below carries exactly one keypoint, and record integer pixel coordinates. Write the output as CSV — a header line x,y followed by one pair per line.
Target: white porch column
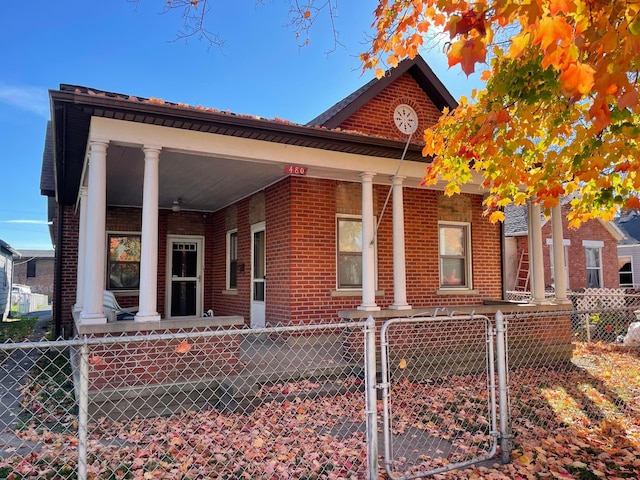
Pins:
x,y
82,246
95,235
368,249
560,277
399,261
148,301
535,254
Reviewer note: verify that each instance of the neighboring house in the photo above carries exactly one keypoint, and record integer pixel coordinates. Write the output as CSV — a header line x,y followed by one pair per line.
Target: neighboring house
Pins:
x,y
36,269
590,252
629,249
180,210
7,259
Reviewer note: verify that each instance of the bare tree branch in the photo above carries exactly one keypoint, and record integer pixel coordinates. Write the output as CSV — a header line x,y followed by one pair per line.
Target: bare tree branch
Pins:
x,y
304,15
196,16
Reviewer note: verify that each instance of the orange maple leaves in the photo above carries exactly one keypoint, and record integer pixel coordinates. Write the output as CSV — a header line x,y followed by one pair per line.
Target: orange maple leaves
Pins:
x,y
583,41
467,54
561,111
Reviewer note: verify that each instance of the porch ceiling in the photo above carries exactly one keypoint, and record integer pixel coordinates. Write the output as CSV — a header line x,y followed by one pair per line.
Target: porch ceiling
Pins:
x,y
203,183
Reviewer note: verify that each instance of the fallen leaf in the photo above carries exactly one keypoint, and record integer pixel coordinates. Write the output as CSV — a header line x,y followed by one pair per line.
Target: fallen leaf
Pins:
x,y
95,360
184,347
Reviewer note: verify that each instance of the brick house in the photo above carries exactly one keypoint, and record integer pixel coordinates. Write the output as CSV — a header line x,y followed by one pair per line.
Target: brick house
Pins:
x,y
181,210
36,269
590,252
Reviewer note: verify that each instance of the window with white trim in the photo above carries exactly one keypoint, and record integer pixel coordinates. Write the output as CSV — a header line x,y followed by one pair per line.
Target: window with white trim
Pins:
x,y
123,261
349,251
566,243
593,251
232,260
625,271
454,249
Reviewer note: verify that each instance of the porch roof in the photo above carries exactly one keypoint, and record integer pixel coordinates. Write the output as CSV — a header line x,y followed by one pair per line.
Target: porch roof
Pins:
x,y
73,107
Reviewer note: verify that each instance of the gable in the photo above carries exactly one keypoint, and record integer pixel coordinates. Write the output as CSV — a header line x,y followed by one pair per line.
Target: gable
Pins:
x,y
369,110
376,116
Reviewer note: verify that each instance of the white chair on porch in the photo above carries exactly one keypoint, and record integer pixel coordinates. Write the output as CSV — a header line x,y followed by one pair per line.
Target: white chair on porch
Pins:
x,y
113,311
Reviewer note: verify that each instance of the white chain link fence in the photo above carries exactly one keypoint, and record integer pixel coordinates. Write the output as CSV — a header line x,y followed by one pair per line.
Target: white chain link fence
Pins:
x,y
292,402
439,394
571,417
281,402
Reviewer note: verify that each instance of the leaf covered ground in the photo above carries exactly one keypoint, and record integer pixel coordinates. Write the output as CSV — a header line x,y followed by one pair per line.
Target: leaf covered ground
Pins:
x,y
579,421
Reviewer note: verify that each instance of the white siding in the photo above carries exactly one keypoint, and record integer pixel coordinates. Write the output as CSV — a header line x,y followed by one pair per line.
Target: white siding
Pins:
x,y
6,270
632,251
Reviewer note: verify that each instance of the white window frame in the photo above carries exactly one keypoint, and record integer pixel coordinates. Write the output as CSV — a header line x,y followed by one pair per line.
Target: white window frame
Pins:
x,y
594,245
375,247
467,257
566,243
228,260
630,262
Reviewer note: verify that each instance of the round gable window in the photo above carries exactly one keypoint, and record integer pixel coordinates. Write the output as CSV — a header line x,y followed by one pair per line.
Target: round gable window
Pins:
x,y
405,119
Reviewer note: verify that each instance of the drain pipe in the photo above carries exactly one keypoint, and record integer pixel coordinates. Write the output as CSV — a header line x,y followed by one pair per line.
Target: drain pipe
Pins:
x,y
57,279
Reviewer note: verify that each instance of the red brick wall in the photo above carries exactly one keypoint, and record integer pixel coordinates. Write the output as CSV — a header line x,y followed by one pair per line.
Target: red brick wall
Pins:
x,y
67,254
238,302
158,362
376,117
282,259
577,260
300,223
301,253
421,246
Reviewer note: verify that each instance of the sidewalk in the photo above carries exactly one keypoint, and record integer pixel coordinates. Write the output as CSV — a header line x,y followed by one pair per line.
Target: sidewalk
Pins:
x,y
42,325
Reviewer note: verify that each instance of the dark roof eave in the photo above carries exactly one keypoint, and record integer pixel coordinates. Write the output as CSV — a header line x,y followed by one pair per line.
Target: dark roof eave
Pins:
x,y
236,125
8,248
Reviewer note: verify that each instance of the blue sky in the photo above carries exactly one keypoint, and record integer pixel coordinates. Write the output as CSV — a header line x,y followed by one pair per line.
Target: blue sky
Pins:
x,y
119,46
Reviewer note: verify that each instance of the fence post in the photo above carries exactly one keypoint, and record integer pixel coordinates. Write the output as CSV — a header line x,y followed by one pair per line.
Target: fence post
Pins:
x,y
503,395
83,411
370,397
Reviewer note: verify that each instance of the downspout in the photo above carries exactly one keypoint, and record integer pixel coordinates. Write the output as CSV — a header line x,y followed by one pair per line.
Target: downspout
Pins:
x,y
57,282
57,302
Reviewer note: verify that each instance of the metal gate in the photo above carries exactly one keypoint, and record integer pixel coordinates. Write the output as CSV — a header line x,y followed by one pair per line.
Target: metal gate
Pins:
x,y
439,394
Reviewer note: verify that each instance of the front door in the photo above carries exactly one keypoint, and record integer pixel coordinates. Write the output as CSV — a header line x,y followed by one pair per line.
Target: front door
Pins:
x,y
184,285
258,275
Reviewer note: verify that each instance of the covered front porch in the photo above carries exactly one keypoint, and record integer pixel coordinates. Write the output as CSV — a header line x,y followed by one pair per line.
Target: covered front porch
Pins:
x,y
159,175
189,189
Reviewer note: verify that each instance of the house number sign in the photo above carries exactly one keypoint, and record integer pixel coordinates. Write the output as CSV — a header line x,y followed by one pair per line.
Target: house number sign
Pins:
x,y
295,170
